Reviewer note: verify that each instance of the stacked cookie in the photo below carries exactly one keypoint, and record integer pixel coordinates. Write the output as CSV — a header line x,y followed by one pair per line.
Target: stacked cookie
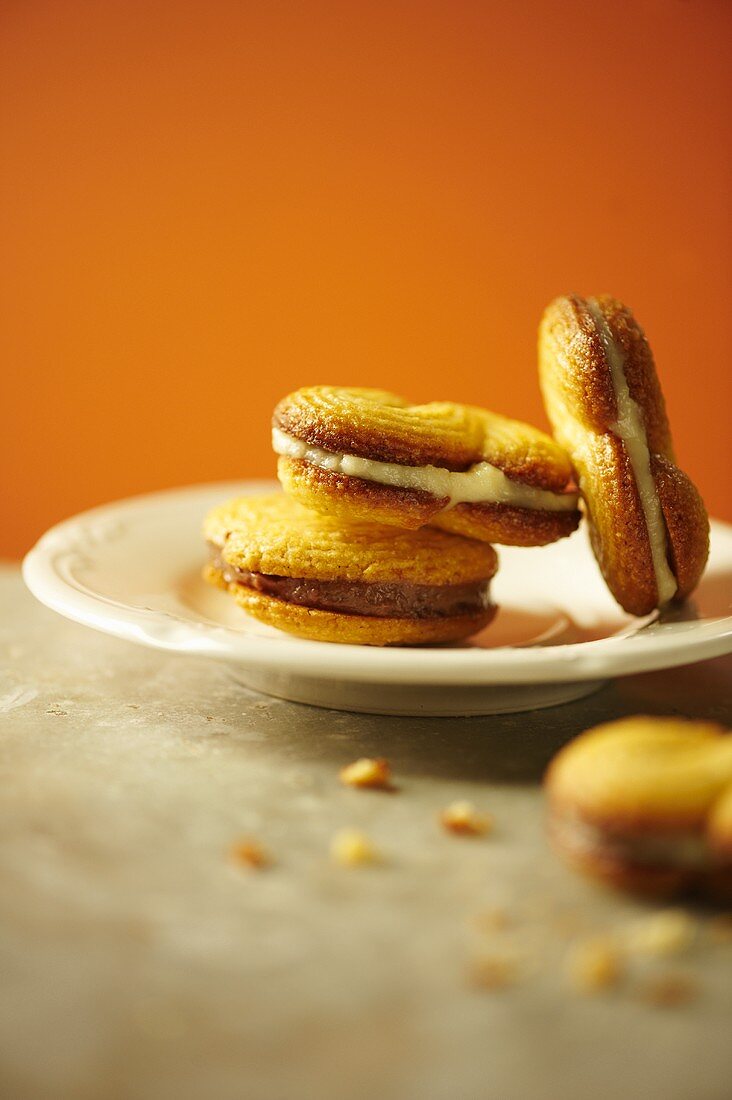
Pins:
x,y
321,577
384,533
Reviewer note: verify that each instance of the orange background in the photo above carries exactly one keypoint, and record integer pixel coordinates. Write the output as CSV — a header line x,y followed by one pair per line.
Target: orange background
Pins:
x,y
208,204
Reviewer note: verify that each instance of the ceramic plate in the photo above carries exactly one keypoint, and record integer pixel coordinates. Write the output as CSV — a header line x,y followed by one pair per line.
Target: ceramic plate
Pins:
x,y
132,569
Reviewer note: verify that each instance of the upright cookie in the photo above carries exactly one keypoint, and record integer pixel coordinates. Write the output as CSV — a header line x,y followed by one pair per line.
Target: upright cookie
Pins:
x,y
340,581
648,525
367,454
644,803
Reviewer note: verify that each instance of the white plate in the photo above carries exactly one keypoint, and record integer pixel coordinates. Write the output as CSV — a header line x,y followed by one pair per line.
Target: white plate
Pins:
x,y
132,569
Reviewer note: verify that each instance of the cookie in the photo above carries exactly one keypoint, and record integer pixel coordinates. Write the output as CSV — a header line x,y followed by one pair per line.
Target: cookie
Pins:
x,y
719,834
348,581
648,525
636,803
369,455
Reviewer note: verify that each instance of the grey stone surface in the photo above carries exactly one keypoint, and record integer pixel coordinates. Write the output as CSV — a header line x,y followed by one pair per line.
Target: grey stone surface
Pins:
x,y
138,962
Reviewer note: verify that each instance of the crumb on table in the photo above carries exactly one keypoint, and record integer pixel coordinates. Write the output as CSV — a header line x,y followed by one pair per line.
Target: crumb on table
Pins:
x,y
250,853
594,965
350,848
668,932
368,771
669,990
494,919
495,971
463,819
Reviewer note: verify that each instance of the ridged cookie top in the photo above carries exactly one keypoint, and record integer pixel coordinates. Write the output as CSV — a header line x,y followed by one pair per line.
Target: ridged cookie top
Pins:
x,y
381,426
642,773
275,535
522,452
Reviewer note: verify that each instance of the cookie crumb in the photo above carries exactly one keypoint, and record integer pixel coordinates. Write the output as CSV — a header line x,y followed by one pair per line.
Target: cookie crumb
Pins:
x,y
491,920
493,972
594,965
300,780
668,932
350,848
368,771
719,928
250,853
463,819
568,924
669,990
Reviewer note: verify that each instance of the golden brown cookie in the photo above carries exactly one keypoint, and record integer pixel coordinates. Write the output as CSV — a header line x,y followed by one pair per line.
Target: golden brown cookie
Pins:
x,y
636,803
647,522
719,835
339,581
366,454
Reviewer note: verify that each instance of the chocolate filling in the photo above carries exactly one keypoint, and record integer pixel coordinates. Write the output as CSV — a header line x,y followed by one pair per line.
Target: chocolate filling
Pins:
x,y
682,848
380,600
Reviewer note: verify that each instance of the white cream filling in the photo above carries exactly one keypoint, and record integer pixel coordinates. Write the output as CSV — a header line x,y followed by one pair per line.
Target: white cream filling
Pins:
x,y
482,483
630,429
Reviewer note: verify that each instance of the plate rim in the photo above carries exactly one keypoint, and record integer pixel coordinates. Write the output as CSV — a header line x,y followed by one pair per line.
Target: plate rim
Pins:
x,y
588,660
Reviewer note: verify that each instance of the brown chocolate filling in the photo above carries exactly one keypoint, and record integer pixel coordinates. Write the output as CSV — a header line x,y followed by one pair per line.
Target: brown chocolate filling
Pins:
x,y
686,849
380,600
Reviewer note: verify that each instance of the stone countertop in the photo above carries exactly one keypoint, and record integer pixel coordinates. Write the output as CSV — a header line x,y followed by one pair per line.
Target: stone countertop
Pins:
x,y
139,962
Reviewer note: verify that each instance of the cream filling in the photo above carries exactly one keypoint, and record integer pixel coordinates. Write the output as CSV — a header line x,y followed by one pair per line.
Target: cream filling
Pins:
x,y
630,429
689,850
482,483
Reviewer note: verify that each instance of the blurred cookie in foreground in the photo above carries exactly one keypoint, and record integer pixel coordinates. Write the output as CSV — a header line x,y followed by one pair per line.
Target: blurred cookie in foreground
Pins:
x,y
370,455
720,839
643,804
648,525
339,581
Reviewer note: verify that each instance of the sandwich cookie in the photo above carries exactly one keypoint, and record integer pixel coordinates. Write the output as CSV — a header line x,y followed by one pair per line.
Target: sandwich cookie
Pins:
x,y
719,834
366,454
348,581
648,525
644,804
